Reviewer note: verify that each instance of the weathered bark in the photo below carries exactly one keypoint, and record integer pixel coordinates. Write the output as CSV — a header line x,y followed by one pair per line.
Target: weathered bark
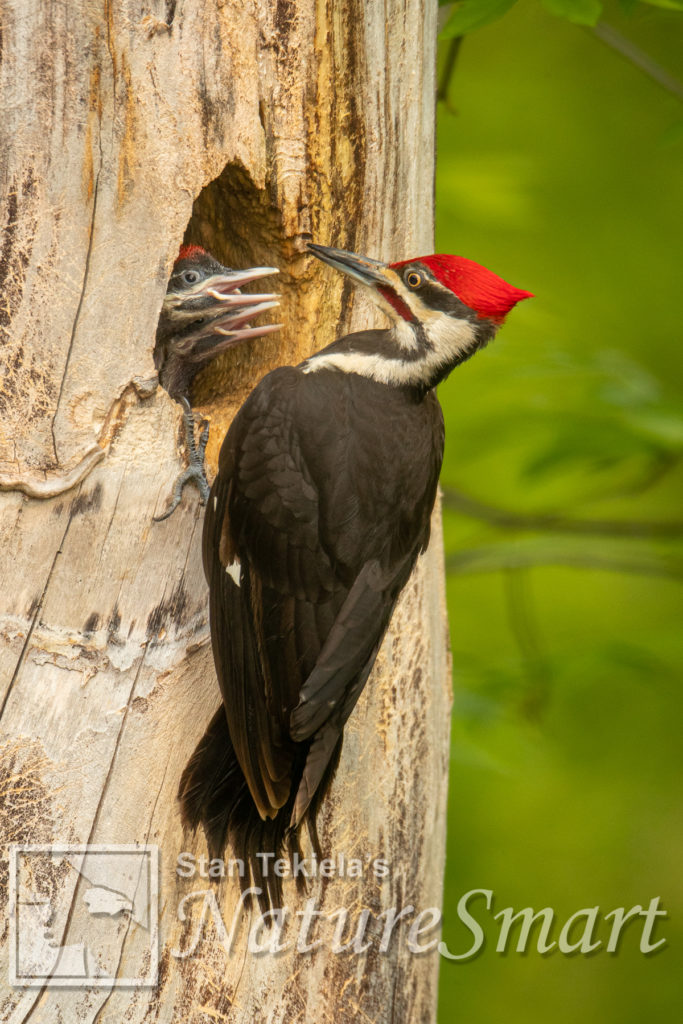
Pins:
x,y
249,125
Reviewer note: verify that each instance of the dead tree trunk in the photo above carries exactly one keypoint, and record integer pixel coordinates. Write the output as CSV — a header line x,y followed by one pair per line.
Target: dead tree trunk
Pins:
x,y
250,126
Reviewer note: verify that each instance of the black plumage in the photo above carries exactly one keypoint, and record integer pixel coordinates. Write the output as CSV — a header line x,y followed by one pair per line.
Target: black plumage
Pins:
x,y
324,492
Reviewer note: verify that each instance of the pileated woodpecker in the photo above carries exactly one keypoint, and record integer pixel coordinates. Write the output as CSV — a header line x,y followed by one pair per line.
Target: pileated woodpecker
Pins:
x,y
203,314
321,506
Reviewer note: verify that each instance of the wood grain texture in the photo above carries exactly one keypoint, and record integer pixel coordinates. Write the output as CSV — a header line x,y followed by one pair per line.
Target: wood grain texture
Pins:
x,y
251,126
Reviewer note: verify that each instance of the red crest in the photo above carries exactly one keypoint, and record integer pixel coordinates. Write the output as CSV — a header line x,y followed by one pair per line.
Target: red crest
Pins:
x,y
480,289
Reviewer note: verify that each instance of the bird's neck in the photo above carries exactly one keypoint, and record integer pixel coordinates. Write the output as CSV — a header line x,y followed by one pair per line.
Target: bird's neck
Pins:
x,y
415,356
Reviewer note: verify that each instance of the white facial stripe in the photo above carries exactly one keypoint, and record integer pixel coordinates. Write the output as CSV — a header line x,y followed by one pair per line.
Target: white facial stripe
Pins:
x,y
449,339
433,320
403,332
196,290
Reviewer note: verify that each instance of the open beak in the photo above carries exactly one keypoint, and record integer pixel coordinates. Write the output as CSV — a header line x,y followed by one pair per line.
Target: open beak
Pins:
x,y
221,311
229,282
360,268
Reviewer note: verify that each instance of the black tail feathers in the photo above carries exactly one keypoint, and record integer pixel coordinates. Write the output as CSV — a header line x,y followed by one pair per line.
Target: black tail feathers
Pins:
x,y
214,793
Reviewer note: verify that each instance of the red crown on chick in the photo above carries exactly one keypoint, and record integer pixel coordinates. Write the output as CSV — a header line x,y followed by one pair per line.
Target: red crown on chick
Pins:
x,y
187,252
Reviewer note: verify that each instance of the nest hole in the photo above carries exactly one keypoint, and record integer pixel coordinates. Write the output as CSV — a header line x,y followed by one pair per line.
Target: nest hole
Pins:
x,y
239,224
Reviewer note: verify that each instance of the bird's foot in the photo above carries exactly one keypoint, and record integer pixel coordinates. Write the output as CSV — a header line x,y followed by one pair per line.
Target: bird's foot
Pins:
x,y
195,471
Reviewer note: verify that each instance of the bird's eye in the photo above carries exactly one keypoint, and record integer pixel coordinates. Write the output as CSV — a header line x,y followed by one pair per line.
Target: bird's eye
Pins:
x,y
190,276
413,279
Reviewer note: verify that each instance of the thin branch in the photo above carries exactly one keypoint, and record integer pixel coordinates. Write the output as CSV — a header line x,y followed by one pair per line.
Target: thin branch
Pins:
x,y
448,71
643,61
475,509
524,627
495,557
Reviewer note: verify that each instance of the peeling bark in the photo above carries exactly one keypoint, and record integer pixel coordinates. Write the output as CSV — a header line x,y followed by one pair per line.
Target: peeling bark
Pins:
x,y
250,127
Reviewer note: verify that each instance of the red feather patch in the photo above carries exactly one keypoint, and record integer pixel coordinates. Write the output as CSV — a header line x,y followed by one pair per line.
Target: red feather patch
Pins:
x,y
188,251
480,289
398,304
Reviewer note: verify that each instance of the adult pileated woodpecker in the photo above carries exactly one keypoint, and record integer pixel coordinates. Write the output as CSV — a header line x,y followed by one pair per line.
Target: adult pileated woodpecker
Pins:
x,y
322,503
204,313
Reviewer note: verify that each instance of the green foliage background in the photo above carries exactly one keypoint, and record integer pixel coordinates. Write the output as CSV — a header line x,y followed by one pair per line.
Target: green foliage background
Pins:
x,y
559,166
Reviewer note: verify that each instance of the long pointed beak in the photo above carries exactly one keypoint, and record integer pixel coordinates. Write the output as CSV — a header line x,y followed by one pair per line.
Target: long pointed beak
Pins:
x,y
229,299
218,291
226,284
222,332
208,346
221,312
361,268
229,328
234,328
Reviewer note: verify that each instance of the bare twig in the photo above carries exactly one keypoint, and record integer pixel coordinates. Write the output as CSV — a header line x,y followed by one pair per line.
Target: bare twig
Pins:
x,y
524,627
636,528
643,61
448,70
495,557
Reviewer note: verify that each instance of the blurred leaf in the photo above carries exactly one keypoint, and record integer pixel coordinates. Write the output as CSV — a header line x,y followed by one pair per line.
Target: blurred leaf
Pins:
x,y
636,658
580,12
597,463
669,5
626,382
597,415
469,15
598,444
660,426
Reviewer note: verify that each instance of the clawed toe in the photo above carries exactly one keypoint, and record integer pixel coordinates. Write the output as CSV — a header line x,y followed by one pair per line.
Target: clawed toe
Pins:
x,y
195,471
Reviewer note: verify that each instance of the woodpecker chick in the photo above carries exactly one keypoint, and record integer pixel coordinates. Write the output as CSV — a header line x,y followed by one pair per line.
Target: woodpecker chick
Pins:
x,y
204,313
322,503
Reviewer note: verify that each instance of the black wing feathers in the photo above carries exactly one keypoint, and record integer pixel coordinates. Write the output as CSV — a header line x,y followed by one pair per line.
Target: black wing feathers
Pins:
x,y
353,639
325,488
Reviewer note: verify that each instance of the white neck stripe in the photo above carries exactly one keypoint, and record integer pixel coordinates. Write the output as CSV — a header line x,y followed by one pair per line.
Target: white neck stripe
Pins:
x,y
449,341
